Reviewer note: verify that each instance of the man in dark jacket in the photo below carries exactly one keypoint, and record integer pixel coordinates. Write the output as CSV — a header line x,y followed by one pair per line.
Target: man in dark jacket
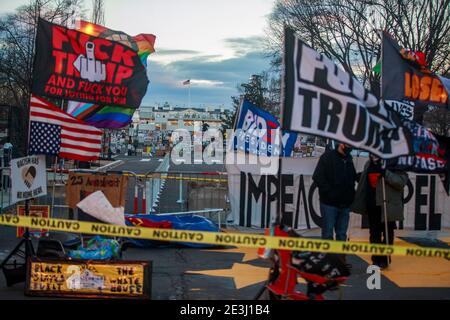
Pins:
x,y
335,176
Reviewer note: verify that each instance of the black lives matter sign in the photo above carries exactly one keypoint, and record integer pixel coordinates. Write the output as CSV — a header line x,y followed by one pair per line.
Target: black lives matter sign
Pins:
x,y
322,99
76,66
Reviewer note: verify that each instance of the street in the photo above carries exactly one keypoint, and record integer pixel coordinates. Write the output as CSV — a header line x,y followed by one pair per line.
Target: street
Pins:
x,y
232,273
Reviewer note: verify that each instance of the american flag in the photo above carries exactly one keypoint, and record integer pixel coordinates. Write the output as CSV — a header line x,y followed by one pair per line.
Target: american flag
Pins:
x,y
54,132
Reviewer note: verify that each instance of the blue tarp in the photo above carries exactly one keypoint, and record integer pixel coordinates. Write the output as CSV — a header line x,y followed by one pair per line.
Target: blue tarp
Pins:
x,y
179,222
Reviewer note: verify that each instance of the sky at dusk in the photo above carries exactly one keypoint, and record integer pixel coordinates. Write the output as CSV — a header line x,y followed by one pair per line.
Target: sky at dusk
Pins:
x,y
217,44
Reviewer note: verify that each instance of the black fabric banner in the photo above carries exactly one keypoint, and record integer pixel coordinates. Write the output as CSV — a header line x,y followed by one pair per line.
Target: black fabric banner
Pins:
x,y
75,66
403,78
322,99
431,154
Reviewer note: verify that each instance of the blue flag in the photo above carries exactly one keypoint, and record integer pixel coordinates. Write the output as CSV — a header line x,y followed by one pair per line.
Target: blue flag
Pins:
x,y
258,132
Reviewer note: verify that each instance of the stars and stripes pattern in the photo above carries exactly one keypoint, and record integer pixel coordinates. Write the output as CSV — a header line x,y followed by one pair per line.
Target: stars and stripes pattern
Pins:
x,y
54,132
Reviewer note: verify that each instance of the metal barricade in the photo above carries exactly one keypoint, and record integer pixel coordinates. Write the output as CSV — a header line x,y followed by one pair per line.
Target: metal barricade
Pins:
x,y
160,192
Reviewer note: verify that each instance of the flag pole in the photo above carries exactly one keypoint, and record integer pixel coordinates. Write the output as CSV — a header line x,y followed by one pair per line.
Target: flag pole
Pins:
x,y
189,94
383,181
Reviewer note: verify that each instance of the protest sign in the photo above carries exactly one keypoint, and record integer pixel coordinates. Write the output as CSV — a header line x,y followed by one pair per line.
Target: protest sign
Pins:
x,y
74,278
322,99
80,185
405,78
29,178
254,197
76,66
98,206
35,211
258,132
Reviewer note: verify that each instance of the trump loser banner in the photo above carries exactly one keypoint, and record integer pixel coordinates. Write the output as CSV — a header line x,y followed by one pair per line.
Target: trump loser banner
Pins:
x,y
76,66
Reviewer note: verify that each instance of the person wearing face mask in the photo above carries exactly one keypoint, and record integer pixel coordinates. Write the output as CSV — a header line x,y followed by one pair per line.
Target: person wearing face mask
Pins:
x,y
369,202
335,177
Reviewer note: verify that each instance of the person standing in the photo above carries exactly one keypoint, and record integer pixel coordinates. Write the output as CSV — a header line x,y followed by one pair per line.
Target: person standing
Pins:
x,y
335,176
369,202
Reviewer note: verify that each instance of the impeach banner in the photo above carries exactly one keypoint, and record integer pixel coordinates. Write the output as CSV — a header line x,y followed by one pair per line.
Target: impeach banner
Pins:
x,y
405,78
74,278
76,66
322,99
80,185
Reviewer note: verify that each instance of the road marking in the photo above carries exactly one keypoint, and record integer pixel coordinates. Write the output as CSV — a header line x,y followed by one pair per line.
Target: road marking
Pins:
x,y
249,253
410,272
243,275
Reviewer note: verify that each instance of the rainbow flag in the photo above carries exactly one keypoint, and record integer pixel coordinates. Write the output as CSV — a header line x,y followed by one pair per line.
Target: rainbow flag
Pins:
x,y
143,43
107,117
111,117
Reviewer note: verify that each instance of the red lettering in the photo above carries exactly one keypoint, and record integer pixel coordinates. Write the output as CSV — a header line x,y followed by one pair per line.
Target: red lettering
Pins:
x,y
59,37
120,54
99,53
122,73
60,57
71,71
110,69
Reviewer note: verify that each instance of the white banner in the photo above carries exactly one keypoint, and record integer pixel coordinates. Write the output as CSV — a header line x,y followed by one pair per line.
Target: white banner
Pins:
x,y
253,197
29,178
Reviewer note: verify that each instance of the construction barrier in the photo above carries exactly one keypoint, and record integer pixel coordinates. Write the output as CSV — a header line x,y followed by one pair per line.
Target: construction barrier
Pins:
x,y
223,239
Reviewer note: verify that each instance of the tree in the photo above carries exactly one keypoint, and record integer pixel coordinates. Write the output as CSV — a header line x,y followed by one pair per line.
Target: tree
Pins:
x,y
17,35
228,118
98,12
345,31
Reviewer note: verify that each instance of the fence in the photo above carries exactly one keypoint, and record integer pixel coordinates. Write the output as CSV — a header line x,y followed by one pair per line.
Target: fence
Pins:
x,y
206,193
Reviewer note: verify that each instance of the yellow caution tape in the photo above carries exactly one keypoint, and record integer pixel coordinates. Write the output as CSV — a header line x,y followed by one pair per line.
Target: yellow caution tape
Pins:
x,y
224,239
167,177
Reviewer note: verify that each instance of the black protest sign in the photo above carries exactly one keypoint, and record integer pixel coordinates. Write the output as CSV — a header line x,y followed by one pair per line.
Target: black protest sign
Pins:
x,y
76,66
403,78
322,99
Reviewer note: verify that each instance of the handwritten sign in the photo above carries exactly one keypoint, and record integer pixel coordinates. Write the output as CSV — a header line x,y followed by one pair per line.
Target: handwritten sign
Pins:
x,y
29,178
96,279
80,185
35,211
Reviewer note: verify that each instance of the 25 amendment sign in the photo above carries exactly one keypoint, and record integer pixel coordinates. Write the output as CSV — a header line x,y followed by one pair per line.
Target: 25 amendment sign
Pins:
x,y
120,279
76,66
322,99
29,178
80,185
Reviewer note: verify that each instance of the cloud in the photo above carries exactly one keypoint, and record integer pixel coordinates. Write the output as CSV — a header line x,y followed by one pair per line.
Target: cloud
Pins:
x,y
214,78
167,52
242,46
206,83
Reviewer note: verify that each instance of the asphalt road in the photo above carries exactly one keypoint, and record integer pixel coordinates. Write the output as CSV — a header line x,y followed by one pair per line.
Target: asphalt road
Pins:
x,y
237,273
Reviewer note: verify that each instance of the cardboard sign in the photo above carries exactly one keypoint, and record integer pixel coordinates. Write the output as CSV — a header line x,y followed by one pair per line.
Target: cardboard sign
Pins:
x,y
90,279
99,207
35,211
29,178
80,185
